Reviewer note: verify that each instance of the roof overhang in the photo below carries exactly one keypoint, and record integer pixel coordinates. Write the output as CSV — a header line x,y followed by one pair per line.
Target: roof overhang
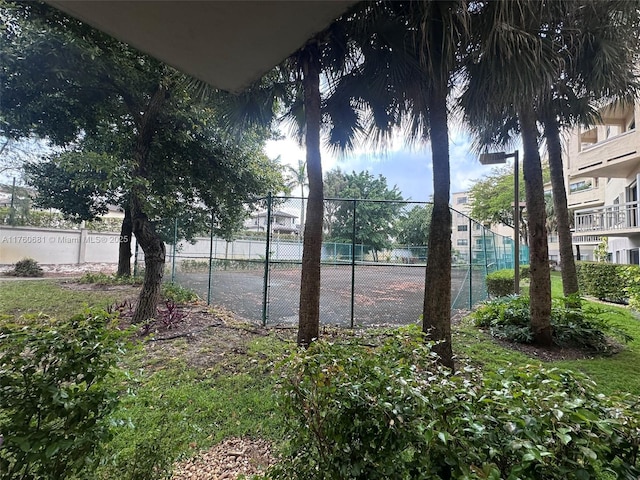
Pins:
x,y
228,44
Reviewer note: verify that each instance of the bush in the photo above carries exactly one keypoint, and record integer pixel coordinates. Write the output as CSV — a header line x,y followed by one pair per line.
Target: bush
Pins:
x,y
178,294
27,267
573,325
525,271
99,278
55,394
605,281
632,278
357,412
500,283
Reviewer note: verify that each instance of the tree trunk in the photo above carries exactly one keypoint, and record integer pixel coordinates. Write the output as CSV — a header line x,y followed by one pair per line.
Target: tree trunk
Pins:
x,y
154,258
309,320
436,311
567,262
124,247
540,275
151,243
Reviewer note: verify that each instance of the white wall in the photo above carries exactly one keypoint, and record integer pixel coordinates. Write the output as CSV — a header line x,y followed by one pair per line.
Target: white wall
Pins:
x,y
55,246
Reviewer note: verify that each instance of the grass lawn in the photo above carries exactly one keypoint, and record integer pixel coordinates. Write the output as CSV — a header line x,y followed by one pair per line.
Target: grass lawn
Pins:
x,y
189,390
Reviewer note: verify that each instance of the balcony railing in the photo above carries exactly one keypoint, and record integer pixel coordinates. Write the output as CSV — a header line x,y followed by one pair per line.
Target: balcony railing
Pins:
x,y
609,218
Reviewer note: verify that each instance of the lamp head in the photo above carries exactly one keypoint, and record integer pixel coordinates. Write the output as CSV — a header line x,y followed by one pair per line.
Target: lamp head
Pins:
x,y
493,158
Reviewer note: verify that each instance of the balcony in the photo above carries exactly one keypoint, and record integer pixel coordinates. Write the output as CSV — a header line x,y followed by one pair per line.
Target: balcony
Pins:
x,y
590,197
620,220
615,157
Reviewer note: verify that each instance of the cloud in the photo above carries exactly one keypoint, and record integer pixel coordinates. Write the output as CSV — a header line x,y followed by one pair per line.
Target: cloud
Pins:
x,y
408,168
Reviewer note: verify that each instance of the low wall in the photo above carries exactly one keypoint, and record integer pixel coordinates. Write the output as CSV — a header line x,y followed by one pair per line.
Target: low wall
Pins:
x,y
55,246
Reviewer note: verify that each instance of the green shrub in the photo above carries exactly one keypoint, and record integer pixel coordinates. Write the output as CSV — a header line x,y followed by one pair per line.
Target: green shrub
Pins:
x,y
357,412
194,266
27,267
605,281
632,278
574,325
500,283
100,278
525,270
177,293
55,394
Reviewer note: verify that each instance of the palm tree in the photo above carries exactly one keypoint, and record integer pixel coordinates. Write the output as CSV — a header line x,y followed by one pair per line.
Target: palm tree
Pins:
x,y
409,57
601,55
513,57
544,59
298,178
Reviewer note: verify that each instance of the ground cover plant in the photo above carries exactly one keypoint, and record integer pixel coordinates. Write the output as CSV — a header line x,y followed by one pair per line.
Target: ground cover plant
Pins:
x,y
391,411
584,327
211,378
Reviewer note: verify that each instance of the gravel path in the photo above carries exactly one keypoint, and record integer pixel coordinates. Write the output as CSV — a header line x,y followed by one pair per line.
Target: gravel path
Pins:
x,y
227,460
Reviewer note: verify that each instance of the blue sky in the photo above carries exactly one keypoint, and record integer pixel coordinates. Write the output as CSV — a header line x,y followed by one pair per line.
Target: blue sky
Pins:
x,y
409,169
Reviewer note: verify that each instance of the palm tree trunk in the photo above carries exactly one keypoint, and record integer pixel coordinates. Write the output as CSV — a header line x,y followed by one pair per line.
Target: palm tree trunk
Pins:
x,y
309,320
540,275
436,312
567,262
124,247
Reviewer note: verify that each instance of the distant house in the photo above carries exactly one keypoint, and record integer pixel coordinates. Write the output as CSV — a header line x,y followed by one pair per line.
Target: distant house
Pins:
x,y
281,222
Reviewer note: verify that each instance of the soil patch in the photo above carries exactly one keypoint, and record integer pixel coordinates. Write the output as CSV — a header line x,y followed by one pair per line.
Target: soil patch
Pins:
x,y
543,354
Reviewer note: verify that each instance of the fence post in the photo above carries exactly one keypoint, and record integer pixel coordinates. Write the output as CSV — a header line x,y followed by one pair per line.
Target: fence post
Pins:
x,y
484,249
210,261
135,259
265,287
470,235
175,245
353,263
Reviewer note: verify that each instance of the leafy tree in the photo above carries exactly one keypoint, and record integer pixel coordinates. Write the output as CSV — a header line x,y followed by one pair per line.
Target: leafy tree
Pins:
x,y
334,183
77,192
375,222
492,199
64,80
297,177
413,228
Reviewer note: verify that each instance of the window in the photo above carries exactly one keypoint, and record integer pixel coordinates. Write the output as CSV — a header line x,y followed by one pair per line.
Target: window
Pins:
x,y
579,186
462,228
462,200
462,242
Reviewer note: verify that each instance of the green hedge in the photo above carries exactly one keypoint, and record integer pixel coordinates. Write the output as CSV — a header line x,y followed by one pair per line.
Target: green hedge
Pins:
x,y
500,283
605,281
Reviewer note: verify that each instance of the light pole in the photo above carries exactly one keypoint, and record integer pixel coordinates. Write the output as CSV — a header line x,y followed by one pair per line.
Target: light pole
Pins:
x,y
497,158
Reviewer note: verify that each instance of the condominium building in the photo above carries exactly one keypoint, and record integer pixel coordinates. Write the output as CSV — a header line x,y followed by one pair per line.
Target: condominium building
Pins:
x,y
470,238
602,171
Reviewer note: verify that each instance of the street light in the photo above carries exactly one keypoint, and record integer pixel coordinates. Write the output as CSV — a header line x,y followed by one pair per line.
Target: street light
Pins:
x,y
494,159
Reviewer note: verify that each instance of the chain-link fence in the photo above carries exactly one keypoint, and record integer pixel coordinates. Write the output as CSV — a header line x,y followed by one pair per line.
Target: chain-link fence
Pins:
x,y
373,262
